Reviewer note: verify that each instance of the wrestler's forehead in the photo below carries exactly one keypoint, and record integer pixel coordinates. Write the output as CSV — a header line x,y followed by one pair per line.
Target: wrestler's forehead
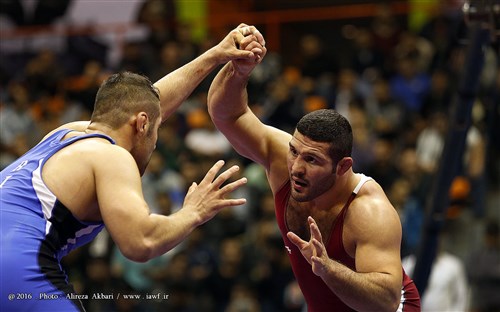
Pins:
x,y
303,142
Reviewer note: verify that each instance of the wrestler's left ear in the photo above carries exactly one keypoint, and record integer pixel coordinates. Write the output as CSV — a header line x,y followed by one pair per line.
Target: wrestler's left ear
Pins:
x,y
142,122
344,165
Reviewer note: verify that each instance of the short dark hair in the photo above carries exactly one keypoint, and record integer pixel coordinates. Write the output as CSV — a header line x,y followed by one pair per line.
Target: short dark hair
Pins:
x,y
327,125
122,95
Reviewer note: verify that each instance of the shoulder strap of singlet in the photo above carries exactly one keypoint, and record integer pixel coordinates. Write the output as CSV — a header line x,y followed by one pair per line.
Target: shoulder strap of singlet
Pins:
x,y
56,141
361,182
355,192
60,134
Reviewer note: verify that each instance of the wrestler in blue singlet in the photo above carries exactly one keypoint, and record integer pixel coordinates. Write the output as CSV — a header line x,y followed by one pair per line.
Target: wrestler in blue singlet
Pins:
x,y
36,232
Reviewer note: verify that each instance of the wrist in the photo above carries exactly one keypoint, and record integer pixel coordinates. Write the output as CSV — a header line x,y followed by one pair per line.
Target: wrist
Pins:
x,y
238,75
191,216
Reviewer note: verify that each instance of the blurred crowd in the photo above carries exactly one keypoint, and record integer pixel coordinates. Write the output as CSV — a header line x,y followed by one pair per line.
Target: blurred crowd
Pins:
x,y
397,86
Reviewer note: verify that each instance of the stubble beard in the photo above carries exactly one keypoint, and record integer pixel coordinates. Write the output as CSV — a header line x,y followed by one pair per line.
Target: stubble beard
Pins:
x,y
314,190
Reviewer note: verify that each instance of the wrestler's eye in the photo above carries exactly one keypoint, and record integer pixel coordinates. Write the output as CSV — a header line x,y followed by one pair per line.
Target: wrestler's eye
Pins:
x,y
310,159
293,151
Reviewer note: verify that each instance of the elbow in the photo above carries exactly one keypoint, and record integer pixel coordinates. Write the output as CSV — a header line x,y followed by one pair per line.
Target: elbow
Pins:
x,y
388,305
394,306
394,301
388,301
140,251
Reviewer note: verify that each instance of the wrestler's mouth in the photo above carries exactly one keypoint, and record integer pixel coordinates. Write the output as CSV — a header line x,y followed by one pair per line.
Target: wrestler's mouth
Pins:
x,y
298,184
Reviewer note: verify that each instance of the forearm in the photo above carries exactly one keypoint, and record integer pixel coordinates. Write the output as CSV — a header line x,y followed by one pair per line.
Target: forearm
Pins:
x,y
165,232
227,97
362,291
178,85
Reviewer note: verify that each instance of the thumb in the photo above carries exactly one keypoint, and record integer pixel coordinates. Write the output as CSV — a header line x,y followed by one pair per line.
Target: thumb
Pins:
x,y
192,188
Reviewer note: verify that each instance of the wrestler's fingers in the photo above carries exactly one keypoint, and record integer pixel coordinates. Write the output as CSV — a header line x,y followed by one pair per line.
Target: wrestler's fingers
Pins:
x,y
233,202
191,188
210,176
252,45
315,232
233,186
223,177
243,41
319,248
296,240
246,30
239,40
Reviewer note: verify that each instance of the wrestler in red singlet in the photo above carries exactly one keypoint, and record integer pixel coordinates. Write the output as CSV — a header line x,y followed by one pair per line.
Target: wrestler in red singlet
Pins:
x,y
317,294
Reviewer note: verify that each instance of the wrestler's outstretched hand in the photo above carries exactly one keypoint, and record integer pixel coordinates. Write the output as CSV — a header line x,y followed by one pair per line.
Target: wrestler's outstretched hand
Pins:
x,y
314,250
208,197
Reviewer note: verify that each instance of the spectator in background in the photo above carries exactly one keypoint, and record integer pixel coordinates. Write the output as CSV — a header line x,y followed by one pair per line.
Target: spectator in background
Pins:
x,y
229,272
364,57
442,31
383,168
419,48
315,61
159,17
350,91
83,88
35,12
483,269
44,73
364,139
387,113
386,30
410,85
439,96
411,213
16,122
430,142
170,58
447,285
136,57
159,178
203,138
243,298
284,103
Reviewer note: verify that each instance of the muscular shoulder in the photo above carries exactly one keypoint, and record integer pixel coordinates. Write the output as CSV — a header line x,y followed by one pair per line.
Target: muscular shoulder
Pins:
x,y
74,172
92,146
92,154
106,156
371,214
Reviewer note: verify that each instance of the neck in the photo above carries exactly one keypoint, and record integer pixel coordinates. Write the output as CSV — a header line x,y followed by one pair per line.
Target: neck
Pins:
x,y
116,134
342,189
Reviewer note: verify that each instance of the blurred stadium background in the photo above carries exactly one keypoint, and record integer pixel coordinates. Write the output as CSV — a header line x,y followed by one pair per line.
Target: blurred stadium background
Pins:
x,y
392,67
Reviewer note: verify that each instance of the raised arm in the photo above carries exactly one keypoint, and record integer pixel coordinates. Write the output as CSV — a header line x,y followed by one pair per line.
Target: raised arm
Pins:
x,y
178,85
228,108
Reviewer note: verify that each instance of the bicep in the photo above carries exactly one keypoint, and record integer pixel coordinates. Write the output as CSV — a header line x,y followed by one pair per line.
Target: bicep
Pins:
x,y
378,242
119,194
